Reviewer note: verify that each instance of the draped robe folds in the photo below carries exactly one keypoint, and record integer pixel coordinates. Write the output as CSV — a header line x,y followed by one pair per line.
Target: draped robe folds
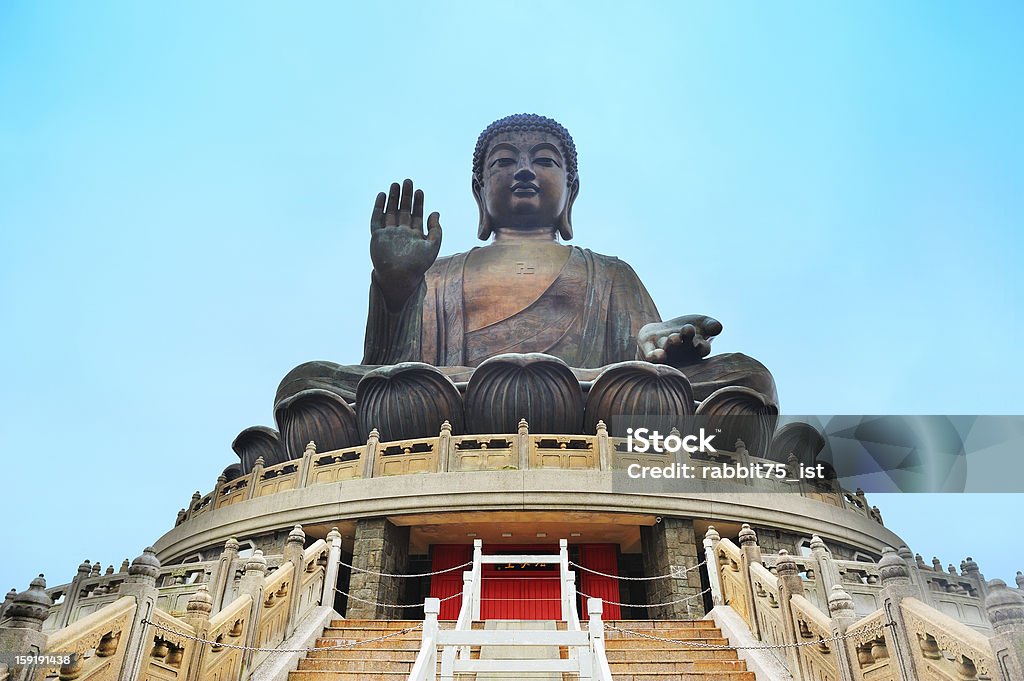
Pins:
x,y
589,317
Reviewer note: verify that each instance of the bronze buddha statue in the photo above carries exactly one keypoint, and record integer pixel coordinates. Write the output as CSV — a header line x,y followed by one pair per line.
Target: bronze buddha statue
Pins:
x,y
524,292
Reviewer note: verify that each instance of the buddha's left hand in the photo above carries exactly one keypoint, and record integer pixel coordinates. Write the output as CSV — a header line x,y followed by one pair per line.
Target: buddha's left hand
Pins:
x,y
680,341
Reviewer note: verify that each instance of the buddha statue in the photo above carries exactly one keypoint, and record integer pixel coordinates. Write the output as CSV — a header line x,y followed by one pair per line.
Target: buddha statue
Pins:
x,y
525,292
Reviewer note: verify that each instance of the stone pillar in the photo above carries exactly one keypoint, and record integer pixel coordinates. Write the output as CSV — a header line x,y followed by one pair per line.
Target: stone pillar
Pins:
x,y
523,444
970,569
711,539
21,631
828,572
750,553
252,585
444,447
380,547
7,602
294,547
1005,609
370,453
306,463
604,449
224,574
790,584
333,567
844,614
670,547
73,595
896,586
140,584
197,616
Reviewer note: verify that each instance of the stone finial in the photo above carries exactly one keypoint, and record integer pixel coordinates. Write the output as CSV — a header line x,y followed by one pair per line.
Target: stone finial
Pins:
x,y
936,564
892,569
260,462
146,566
969,566
674,431
840,603
920,561
1005,607
335,533
310,448
785,566
30,608
296,536
747,535
817,544
110,570
84,569
256,562
601,428
951,569
740,445
712,534
524,427
201,604
96,567
221,479
906,554
374,436
124,567
196,496
231,545
181,516
1020,579
446,427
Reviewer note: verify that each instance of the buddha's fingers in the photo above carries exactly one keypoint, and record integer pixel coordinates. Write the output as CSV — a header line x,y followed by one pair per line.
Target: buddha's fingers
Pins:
x,y
711,327
405,205
391,212
377,216
434,230
417,212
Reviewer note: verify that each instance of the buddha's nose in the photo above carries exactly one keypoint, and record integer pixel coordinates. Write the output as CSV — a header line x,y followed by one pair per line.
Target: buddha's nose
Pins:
x,y
524,173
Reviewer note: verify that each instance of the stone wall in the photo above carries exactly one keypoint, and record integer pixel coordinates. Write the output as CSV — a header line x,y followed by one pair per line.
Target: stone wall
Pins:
x,y
380,547
669,547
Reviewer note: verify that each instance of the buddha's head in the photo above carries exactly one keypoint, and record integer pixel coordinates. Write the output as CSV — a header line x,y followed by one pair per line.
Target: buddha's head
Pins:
x,y
524,176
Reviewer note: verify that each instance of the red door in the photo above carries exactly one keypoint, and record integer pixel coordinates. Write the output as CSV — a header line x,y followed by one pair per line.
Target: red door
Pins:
x,y
443,586
601,558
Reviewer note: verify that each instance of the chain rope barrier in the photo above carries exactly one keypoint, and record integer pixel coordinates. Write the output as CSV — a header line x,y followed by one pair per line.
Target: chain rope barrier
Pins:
x,y
676,574
648,605
340,646
391,605
696,645
423,574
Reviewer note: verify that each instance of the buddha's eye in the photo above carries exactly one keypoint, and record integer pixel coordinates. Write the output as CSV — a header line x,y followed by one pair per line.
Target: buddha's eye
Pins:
x,y
546,162
503,162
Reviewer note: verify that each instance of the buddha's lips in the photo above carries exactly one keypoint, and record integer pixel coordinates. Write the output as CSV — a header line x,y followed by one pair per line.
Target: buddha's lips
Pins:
x,y
525,188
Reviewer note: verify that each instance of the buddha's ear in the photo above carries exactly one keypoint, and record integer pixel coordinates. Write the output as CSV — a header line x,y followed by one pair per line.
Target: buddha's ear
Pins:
x,y
565,226
483,230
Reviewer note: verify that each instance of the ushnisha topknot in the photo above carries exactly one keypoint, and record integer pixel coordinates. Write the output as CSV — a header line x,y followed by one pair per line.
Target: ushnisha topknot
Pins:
x,y
525,122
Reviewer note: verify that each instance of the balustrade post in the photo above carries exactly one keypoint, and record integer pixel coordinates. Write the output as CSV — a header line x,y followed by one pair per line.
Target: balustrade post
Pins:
x,y
254,477
828,572
711,539
370,453
223,574
841,608
563,570
750,553
444,448
895,587
141,585
73,595
1005,609
10,597
252,585
523,444
217,496
790,584
294,548
971,570
431,609
914,570
196,496
21,631
306,464
197,616
478,550
595,610
604,454
333,568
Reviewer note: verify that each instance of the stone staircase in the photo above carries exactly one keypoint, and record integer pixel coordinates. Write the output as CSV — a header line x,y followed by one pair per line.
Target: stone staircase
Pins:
x,y
630,658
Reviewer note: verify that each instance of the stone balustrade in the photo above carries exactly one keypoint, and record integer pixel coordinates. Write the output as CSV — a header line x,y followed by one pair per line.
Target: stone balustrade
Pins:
x,y
860,621
130,638
488,452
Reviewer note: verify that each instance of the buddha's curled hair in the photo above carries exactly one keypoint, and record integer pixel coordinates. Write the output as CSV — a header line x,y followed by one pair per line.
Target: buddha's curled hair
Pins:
x,y
525,123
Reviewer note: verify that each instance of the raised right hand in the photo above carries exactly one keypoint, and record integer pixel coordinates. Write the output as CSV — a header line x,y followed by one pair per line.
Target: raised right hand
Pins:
x,y
400,251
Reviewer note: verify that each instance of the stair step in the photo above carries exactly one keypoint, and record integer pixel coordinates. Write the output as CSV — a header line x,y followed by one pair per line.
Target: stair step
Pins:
x,y
668,653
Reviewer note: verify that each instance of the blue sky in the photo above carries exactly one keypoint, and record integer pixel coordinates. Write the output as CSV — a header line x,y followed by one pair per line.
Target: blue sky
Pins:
x,y
185,191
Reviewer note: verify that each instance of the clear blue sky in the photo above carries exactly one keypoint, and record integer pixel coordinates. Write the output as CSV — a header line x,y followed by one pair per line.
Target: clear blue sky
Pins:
x,y
185,190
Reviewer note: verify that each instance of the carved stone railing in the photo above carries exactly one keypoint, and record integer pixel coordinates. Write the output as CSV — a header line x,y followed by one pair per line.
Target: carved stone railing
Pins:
x,y
132,639
485,452
906,637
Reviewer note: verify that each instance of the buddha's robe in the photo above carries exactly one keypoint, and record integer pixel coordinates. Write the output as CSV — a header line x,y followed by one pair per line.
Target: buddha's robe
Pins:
x,y
588,317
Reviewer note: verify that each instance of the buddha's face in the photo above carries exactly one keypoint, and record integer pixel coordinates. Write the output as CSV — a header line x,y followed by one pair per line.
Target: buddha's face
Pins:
x,y
524,182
